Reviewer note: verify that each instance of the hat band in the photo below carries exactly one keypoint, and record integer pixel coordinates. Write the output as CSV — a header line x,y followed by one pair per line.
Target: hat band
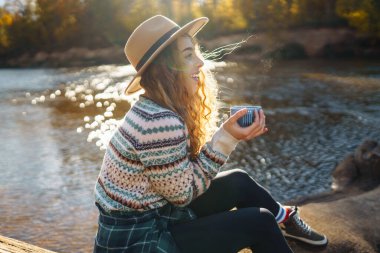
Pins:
x,y
155,46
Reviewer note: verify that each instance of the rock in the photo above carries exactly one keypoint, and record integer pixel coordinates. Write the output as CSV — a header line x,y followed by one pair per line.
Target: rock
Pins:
x,y
351,224
357,173
367,160
359,170
344,173
349,214
288,51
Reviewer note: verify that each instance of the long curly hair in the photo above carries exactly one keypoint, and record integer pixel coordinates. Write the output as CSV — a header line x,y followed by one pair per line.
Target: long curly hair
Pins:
x,y
163,82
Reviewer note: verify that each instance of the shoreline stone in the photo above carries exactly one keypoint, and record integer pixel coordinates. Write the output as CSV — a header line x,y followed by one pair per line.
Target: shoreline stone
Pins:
x,y
349,214
350,224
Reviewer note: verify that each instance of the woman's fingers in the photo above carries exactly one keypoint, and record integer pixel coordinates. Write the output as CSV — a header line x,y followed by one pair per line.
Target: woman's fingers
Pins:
x,y
245,133
231,125
262,119
234,118
258,127
258,122
256,133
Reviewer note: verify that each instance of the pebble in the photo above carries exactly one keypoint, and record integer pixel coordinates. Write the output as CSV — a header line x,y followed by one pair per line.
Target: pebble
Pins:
x,y
108,114
297,156
99,118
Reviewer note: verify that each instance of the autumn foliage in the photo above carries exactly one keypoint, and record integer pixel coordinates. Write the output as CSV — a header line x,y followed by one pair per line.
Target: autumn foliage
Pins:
x,y
55,25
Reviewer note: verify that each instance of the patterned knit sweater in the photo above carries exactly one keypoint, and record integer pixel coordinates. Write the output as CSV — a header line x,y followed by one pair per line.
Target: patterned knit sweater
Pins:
x,y
147,162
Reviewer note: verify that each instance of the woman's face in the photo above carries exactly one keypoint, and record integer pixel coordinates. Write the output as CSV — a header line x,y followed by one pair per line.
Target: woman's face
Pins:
x,y
191,63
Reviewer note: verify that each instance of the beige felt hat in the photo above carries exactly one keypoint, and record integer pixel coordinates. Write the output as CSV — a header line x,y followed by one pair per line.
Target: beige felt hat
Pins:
x,y
150,38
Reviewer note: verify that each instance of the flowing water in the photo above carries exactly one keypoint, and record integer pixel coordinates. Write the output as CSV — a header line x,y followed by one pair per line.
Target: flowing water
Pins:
x,y
54,123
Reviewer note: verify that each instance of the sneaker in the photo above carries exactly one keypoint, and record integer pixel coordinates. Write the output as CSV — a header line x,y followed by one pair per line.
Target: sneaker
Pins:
x,y
294,227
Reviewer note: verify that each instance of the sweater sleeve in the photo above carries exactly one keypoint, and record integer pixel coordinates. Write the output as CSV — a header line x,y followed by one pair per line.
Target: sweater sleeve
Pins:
x,y
169,168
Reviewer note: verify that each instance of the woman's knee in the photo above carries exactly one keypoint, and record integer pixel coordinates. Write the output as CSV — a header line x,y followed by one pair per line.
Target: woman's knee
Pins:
x,y
259,221
269,223
239,178
267,217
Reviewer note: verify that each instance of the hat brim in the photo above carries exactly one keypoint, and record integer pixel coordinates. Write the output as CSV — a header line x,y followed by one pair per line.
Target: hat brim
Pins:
x,y
191,28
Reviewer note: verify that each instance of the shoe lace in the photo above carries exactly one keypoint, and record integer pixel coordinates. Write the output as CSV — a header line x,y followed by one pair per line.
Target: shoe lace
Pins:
x,y
301,224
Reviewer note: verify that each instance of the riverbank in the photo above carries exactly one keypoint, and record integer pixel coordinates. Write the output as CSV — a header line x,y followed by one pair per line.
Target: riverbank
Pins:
x,y
302,44
317,112
348,226
350,223
291,44
348,213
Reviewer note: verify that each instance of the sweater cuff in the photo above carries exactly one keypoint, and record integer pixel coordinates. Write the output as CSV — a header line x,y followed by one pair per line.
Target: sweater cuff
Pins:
x,y
223,142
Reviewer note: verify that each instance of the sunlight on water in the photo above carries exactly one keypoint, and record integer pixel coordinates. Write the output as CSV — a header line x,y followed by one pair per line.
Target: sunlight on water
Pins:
x,y
347,81
101,91
58,123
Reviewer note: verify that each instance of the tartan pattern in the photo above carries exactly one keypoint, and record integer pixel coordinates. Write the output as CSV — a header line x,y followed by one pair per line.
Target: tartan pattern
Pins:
x,y
147,179
146,164
145,232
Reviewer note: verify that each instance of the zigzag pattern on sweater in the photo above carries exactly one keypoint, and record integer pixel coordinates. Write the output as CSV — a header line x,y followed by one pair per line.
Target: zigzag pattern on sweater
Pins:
x,y
152,144
123,158
122,147
153,129
155,116
146,164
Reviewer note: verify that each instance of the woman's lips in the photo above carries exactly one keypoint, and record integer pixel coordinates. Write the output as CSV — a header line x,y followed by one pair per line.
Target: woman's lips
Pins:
x,y
195,77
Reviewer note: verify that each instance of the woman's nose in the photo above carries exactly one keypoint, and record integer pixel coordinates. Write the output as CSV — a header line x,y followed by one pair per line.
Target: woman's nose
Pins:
x,y
200,62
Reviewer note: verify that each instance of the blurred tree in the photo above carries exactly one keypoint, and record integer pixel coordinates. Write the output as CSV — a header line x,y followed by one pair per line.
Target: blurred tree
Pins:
x,y
139,11
363,15
58,22
51,25
229,17
265,14
315,13
278,14
6,20
196,8
206,8
22,33
249,9
103,22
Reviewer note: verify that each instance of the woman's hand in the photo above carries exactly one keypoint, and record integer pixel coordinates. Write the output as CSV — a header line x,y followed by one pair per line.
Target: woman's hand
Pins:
x,y
245,133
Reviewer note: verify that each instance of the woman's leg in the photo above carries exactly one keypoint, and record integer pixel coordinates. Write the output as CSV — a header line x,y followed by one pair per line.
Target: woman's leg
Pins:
x,y
233,188
218,229
231,231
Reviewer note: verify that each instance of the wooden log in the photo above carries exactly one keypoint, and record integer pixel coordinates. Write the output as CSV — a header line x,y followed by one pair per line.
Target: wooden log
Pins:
x,y
9,245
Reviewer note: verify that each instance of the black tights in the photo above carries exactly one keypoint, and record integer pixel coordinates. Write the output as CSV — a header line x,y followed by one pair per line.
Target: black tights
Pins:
x,y
220,230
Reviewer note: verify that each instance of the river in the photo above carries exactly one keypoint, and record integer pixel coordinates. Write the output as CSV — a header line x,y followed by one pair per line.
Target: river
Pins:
x,y
55,123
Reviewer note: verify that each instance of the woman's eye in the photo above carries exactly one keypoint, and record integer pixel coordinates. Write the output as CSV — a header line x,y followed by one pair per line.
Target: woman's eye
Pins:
x,y
188,56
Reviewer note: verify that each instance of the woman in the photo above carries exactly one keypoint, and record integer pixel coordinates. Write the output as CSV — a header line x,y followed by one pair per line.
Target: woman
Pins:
x,y
159,188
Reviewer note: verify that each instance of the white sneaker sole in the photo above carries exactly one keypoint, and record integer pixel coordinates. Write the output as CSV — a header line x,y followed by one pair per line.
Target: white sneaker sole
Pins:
x,y
319,243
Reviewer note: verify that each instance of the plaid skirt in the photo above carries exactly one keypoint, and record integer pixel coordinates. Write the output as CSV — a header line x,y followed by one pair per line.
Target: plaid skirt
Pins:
x,y
139,232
